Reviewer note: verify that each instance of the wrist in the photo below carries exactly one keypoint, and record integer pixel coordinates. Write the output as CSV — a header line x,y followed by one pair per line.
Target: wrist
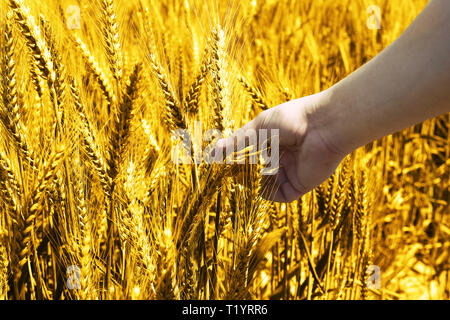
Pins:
x,y
326,120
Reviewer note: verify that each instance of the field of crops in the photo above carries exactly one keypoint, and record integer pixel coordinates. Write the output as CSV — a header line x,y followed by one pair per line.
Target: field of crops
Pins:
x,y
93,207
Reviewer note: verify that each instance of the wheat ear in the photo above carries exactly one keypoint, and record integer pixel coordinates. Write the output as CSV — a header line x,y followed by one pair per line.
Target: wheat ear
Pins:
x,y
97,73
26,238
6,175
191,99
34,40
121,128
254,94
89,143
11,116
85,246
60,70
217,76
174,117
110,30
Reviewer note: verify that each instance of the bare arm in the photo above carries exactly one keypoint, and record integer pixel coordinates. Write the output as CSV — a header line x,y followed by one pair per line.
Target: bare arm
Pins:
x,y
407,83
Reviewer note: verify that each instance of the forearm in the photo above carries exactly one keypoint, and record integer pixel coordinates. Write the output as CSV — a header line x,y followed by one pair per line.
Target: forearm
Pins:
x,y
407,83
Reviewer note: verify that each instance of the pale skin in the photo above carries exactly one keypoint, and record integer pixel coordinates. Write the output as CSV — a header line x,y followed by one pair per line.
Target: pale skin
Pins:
x,y
405,84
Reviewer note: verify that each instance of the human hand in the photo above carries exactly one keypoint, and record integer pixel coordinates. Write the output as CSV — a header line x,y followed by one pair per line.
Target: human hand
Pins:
x,y
306,157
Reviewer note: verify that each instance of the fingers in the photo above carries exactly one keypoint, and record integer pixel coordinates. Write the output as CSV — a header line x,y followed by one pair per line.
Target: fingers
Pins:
x,y
282,187
245,136
290,164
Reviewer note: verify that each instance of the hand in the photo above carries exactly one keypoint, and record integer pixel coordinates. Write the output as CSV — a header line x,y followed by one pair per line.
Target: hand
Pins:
x,y
306,158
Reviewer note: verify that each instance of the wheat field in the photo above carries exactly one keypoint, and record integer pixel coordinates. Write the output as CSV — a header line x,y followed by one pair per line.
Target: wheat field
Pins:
x,y
92,207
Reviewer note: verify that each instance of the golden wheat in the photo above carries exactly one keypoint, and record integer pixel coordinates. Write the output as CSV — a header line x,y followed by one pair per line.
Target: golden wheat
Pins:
x,y
90,193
